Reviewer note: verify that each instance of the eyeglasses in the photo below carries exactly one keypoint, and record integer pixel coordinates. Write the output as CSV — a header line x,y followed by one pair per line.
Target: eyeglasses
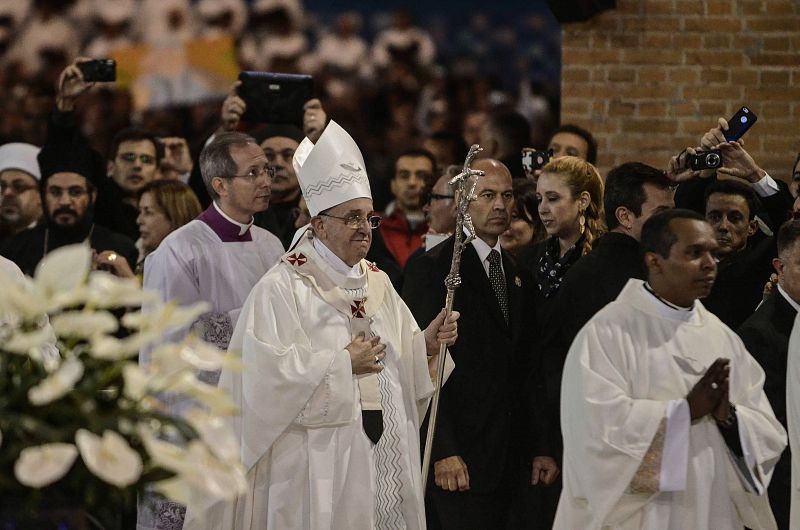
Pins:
x,y
18,187
254,173
74,192
131,158
354,221
438,197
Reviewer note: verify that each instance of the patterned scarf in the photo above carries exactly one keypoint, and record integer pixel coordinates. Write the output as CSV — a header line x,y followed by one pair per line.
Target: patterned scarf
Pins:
x,y
552,269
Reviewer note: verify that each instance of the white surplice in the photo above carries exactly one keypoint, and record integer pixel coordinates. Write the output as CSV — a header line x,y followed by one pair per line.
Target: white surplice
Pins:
x,y
310,464
793,417
624,374
193,264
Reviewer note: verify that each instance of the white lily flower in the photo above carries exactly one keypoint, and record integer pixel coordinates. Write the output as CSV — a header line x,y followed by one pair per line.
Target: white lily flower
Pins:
x,y
215,399
84,324
57,384
42,465
136,381
166,360
216,433
21,298
106,290
164,317
31,342
110,458
176,489
204,356
63,270
114,349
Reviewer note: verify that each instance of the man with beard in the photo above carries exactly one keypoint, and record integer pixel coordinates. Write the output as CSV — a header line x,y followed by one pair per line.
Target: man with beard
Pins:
x,y
69,175
481,433
403,222
20,200
133,158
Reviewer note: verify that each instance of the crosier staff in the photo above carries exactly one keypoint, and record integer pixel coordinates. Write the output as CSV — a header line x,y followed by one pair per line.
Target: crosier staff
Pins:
x,y
463,221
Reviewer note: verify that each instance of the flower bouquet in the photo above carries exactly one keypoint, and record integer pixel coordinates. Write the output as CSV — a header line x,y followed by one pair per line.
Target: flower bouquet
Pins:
x,y
82,426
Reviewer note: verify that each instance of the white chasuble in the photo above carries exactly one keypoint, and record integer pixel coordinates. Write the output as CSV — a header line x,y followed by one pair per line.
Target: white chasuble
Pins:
x,y
625,376
310,463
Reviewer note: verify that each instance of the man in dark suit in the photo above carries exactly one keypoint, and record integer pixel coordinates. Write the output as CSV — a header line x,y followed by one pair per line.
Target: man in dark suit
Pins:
x,y
480,429
766,336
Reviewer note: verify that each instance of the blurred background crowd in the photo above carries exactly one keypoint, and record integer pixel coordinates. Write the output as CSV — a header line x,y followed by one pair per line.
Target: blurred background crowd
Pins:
x,y
391,76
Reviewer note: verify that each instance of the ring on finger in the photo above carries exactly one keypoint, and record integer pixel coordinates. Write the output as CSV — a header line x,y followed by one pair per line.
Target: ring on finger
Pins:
x,y
112,257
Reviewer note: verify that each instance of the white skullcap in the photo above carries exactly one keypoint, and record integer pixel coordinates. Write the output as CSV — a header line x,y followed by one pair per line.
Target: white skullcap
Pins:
x,y
22,157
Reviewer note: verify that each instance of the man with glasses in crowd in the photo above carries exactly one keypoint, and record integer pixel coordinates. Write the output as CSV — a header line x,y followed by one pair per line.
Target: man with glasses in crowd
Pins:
x,y
340,365
20,200
217,258
132,162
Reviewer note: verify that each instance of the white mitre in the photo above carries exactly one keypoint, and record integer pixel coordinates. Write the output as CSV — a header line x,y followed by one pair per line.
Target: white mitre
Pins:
x,y
332,171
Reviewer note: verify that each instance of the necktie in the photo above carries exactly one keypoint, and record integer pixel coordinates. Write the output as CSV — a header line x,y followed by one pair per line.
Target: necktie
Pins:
x,y
498,282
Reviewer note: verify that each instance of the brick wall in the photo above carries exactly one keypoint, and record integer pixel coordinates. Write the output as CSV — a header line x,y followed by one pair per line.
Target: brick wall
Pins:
x,y
650,77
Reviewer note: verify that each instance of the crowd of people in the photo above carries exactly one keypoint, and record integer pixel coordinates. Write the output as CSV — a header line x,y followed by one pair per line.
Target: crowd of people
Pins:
x,y
586,385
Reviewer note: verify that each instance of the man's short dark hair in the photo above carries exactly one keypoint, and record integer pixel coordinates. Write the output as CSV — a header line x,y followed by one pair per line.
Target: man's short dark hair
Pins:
x,y
788,235
732,187
135,134
657,234
417,152
216,159
511,130
625,187
591,151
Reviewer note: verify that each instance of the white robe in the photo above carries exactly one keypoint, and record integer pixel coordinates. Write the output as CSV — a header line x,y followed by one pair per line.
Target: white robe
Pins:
x,y
634,362
793,418
311,466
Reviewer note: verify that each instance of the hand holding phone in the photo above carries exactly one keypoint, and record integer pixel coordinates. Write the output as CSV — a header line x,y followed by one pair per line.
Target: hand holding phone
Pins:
x,y
739,124
99,70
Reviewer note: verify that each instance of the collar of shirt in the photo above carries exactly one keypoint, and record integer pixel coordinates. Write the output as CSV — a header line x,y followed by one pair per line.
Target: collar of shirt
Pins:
x,y
243,228
335,262
792,303
667,309
483,249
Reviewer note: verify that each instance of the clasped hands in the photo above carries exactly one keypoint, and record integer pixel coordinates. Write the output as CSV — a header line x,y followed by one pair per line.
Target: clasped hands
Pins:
x,y
710,394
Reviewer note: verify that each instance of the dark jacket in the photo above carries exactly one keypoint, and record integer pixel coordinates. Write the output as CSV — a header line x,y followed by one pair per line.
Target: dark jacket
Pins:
x,y
113,212
766,336
591,283
26,249
480,417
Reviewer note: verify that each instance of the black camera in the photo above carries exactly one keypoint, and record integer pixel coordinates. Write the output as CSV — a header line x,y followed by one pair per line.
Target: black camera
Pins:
x,y
99,70
705,160
533,160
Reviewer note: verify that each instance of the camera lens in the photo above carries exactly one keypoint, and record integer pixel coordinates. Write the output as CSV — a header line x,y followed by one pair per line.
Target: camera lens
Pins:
x,y
712,160
743,119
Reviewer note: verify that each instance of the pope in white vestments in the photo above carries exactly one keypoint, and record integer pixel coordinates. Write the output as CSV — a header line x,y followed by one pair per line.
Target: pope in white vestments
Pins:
x,y
633,457
303,437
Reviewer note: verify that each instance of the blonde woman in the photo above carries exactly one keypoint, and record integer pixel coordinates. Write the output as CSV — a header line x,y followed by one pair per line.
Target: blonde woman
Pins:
x,y
570,196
